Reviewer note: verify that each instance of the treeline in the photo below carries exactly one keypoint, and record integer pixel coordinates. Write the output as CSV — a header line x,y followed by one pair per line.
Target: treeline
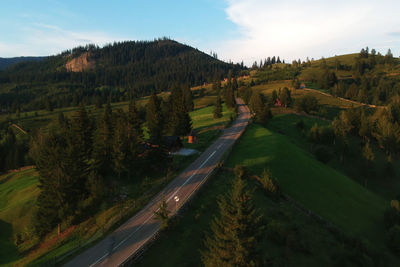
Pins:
x,y
127,69
368,83
268,70
379,129
82,160
13,148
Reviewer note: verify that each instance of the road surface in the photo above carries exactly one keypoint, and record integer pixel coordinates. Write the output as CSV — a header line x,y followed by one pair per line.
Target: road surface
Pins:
x,y
129,238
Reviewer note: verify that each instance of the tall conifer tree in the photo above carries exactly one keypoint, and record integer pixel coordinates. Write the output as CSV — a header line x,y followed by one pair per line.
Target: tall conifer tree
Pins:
x,y
233,240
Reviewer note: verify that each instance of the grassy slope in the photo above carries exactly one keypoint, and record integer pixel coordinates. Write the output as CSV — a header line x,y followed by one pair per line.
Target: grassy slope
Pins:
x,y
18,192
387,187
188,234
320,188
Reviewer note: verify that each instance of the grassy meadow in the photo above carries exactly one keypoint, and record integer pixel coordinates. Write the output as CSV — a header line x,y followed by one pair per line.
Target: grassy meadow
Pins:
x,y
313,247
322,189
18,193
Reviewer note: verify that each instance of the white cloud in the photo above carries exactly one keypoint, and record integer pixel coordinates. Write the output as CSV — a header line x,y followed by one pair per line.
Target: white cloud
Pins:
x,y
43,39
299,28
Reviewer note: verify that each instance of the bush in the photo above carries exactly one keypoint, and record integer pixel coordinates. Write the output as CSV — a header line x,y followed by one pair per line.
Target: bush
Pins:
x,y
277,232
300,124
307,104
393,238
270,184
391,217
322,134
322,154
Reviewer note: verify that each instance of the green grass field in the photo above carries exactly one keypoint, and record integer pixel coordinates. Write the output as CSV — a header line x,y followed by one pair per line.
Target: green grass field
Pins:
x,y
18,192
318,187
204,117
181,245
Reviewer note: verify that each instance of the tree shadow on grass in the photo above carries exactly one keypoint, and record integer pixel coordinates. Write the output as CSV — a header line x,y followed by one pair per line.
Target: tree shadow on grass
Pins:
x,y
8,251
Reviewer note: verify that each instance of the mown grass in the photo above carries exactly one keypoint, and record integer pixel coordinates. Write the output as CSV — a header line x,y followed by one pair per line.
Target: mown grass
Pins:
x,y
320,188
353,165
181,245
203,117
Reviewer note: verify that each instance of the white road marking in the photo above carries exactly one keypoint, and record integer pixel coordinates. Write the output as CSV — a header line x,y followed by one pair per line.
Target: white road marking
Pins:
x,y
188,179
151,216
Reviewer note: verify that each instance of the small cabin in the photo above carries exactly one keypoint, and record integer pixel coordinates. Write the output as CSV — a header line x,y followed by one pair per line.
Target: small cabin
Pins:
x,y
192,137
277,103
172,143
302,86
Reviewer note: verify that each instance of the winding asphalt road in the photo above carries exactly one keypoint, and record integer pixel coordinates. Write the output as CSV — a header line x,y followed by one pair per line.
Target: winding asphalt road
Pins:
x,y
121,245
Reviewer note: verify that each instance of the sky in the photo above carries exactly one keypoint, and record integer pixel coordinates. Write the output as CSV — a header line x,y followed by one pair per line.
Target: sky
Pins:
x,y
237,30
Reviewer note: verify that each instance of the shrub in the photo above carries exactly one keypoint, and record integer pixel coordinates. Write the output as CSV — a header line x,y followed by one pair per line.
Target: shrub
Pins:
x,y
307,104
277,232
322,134
270,184
391,217
393,238
300,124
322,154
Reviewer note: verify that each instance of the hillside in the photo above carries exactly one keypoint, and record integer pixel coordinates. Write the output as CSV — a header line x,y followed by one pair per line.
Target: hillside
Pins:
x,y
121,70
7,62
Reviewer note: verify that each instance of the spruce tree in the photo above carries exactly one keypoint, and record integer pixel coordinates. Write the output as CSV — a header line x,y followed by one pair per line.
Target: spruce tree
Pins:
x,y
233,240
285,97
179,121
218,108
162,214
57,199
154,119
120,147
102,143
134,124
229,97
188,98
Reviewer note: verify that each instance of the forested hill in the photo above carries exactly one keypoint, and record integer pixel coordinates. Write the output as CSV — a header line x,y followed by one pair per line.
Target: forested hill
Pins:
x,y
7,62
121,70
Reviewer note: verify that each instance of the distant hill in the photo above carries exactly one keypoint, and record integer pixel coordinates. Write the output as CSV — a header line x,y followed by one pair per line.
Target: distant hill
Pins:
x,y
7,62
121,70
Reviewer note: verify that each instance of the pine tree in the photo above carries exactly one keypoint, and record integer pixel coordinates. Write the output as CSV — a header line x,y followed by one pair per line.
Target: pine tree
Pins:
x,y
162,214
229,97
180,123
285,97
120,147
82,131
102,143
188,99
134,124
134,139
154,119
57,199
218,108
233,240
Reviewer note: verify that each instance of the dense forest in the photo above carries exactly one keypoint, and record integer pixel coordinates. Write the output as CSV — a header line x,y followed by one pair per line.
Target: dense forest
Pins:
x,y
123,70
82,160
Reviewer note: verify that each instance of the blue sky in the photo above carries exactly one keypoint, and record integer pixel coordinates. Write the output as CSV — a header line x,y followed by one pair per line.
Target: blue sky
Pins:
x,y
236,29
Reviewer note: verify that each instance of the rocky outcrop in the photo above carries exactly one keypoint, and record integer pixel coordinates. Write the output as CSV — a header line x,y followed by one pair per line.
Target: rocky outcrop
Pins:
x,y
81,63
